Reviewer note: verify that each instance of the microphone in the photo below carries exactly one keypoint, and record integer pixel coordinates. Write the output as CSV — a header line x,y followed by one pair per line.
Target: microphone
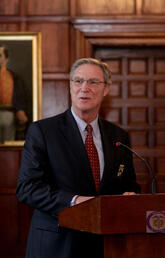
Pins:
x,y
118,144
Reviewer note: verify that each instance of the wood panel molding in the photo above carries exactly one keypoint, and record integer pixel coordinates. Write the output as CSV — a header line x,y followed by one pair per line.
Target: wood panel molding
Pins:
x,y
90,33
104,27
33,18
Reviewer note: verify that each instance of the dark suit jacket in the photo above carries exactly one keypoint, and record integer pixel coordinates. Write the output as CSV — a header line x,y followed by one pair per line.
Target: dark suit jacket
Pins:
x,y
54,168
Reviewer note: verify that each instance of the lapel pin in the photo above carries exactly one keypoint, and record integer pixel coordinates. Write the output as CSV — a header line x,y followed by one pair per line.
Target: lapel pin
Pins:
x,y
120,171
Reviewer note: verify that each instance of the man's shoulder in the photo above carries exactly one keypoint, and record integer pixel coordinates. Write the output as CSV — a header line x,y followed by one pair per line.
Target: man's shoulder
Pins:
x,y
56,119
48,126
111,127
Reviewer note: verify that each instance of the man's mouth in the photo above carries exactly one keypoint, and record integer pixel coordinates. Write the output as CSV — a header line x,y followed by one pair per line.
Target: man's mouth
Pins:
x,y
84,98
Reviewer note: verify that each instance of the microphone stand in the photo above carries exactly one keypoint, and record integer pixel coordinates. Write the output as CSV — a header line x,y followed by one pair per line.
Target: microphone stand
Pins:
x,y
145,162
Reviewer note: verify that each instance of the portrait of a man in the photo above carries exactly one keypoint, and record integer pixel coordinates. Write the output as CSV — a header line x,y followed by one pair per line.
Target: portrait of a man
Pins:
x,y
15,90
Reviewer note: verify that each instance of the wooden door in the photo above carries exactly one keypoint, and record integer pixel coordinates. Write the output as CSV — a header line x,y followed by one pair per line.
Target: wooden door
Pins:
x,y
137,103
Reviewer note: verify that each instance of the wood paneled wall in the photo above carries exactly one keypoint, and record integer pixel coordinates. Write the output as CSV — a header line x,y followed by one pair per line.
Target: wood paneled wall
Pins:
x,y
70,30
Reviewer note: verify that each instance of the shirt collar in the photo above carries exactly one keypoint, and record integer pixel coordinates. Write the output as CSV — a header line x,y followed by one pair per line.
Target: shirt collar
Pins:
x,y
82,124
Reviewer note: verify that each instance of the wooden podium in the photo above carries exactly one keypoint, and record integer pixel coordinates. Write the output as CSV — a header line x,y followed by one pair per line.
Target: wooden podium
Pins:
x,y
122,221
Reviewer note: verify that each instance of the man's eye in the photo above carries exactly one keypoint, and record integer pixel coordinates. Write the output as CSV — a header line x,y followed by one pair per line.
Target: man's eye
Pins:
x,y
94,82
78,81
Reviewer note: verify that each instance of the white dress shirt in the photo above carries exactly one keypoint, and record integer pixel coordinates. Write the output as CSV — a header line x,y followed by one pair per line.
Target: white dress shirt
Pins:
x,y
96,137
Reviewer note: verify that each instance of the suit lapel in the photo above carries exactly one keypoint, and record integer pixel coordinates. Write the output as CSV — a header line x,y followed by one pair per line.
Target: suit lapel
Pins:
x,y
108,148
74,140
75,143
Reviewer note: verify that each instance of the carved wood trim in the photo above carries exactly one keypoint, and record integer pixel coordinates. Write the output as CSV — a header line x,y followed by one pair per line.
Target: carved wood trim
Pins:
x,y
104,27
89,32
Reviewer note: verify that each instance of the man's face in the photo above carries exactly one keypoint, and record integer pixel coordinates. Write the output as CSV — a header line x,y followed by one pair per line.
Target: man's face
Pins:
x,y
3,59
87,97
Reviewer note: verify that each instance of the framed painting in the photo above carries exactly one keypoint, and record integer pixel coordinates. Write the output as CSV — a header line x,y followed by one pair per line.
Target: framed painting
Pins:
x,y
20,85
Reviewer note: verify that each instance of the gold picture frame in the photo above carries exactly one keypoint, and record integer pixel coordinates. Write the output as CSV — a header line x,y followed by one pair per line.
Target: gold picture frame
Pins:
x,y
24,61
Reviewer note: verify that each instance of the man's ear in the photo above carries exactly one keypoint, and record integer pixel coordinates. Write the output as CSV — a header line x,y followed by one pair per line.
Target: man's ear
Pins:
x,y
106,89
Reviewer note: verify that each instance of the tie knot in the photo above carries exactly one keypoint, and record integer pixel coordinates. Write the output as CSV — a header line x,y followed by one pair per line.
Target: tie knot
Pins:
x,y
89,128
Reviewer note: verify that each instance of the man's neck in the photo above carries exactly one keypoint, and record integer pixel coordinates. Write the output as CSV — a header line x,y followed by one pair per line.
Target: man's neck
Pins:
x,y
87,116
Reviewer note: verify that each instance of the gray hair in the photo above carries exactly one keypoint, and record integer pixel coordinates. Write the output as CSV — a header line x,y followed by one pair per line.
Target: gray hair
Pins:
x,y
104,67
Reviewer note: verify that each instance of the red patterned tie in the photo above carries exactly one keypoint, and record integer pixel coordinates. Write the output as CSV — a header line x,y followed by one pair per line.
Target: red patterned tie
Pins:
x,y
92,155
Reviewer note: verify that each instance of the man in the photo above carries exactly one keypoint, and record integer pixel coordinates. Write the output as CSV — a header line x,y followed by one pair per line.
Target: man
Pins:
x,y
12,100
56,172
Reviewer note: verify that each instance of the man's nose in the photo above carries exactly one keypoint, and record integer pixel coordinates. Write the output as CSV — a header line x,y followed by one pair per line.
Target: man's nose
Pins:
x,y
85,85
